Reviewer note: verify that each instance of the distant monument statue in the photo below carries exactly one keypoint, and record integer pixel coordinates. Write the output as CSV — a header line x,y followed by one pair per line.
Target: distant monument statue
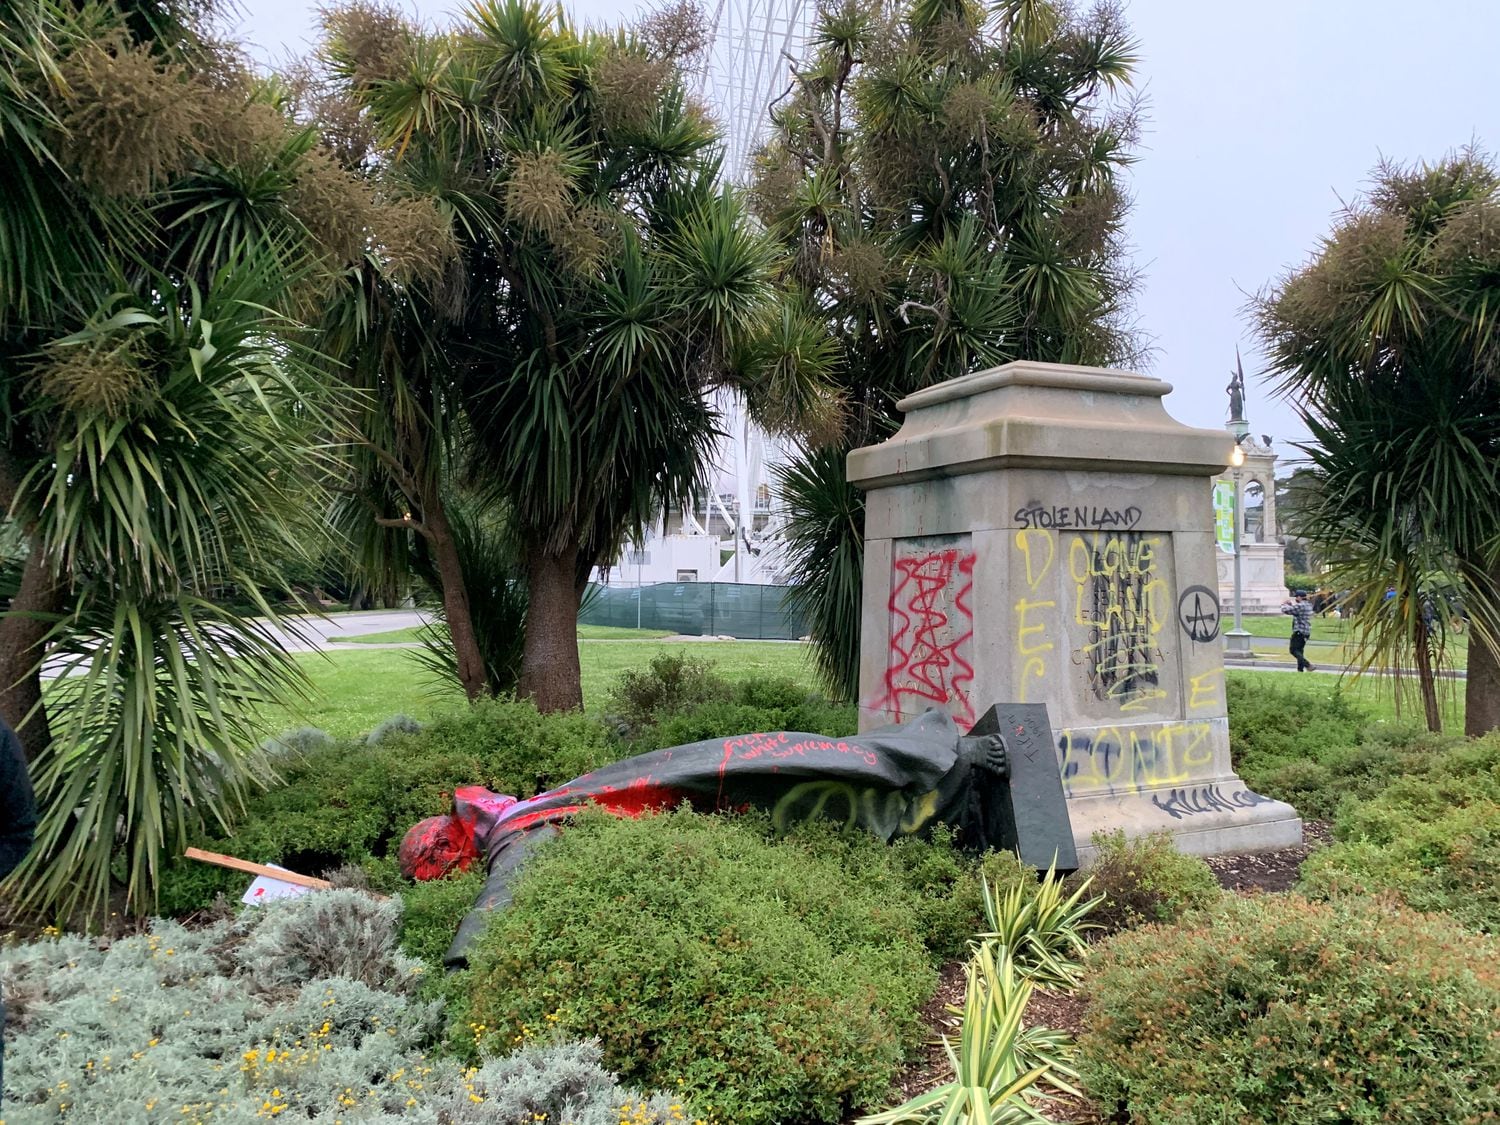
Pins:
x,y
1236,392
1262,564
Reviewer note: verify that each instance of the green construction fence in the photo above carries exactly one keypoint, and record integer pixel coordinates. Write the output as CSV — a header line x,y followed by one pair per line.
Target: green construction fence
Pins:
x,y
708,609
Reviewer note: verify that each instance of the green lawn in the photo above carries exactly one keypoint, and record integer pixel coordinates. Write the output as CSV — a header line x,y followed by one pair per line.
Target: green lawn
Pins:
x,y
1328,646
585,633
1375,695
1280,625
356,690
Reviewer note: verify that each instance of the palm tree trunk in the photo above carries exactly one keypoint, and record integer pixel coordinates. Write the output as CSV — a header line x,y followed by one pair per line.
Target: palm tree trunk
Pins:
x,y
456,610
22,631
550,674
1425,678
1482,691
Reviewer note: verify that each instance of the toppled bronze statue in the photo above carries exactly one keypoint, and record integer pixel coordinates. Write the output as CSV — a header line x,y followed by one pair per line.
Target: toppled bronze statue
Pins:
x,y
998,786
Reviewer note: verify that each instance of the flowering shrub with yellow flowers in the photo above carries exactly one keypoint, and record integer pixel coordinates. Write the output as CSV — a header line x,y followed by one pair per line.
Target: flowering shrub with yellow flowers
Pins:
x,y
304,1009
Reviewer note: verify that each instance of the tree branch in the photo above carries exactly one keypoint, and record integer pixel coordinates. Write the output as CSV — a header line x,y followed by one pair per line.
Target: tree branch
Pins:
x,y
904,305
403,521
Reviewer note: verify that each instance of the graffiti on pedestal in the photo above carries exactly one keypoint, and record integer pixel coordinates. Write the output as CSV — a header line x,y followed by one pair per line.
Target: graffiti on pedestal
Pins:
x,y
929,661
1198,614
1120,598
1132,758
1099,517
1206,799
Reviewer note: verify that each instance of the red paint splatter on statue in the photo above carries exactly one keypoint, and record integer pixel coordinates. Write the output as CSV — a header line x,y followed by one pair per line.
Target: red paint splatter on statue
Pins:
x,y
437,846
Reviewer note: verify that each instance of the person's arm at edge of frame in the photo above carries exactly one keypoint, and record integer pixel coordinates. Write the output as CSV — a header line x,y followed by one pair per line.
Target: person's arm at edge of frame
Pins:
x,y
17,802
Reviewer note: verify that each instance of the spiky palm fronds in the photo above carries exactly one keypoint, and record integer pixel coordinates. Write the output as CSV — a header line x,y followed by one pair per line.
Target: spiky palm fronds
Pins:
x,y
825,547
943,180
1386,343
187,477
155,733
168,439
153,504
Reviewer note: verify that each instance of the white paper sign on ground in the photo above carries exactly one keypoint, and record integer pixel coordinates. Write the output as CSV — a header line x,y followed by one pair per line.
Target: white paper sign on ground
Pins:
x,y
264,889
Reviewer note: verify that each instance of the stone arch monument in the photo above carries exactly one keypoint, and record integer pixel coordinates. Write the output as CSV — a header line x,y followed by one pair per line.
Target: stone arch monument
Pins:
x,y
1262,554
1042,533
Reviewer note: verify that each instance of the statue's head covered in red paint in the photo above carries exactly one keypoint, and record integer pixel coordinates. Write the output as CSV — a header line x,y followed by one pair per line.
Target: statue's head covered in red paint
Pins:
x,y
439,845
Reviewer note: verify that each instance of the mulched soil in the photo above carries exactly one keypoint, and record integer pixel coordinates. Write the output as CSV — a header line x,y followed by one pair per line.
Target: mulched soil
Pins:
x,y
1253,873
1270,871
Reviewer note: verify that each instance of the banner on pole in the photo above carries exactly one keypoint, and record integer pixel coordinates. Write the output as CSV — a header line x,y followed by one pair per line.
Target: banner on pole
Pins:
x,y
1224,515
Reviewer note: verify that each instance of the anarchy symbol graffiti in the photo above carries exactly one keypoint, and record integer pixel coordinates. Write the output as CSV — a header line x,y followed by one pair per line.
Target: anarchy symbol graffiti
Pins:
x,y
1198,613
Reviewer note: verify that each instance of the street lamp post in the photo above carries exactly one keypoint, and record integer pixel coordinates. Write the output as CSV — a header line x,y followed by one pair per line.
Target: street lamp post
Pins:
x,y
1237,640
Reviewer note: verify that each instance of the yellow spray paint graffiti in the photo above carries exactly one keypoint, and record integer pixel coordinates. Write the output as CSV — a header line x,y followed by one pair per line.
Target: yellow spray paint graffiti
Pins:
x,y
1131,758
883,811
1038,549
1206,691
1121,602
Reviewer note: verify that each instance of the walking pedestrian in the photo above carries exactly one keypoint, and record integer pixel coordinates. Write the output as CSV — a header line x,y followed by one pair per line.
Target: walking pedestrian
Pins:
x,y
1302,618
17,828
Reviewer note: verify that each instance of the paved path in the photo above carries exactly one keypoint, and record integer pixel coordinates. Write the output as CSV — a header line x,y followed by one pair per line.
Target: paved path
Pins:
x,y
306,633
309,633
1330,670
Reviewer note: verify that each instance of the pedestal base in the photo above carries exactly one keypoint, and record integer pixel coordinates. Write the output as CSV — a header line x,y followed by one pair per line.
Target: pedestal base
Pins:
x,y
1237,644
1205,819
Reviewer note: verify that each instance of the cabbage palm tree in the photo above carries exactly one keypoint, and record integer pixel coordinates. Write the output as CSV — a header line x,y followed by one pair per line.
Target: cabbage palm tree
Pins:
x,y
607,285
943,178
165,229
1386,344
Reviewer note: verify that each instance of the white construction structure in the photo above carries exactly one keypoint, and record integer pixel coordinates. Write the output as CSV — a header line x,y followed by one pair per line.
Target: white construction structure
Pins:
x,y
731,533
754,44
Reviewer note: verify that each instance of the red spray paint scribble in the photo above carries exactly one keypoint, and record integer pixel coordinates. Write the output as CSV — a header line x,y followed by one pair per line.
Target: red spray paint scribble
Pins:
x,y
921,668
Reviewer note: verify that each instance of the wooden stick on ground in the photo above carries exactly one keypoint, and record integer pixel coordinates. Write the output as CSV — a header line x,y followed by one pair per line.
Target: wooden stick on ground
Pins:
x,y
245,865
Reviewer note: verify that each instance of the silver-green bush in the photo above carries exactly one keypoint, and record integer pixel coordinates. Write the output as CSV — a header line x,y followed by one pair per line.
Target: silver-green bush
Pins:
x,y
304,1008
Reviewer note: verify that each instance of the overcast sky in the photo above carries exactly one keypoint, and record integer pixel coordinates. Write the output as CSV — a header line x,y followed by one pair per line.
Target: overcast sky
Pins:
x,y
1261,117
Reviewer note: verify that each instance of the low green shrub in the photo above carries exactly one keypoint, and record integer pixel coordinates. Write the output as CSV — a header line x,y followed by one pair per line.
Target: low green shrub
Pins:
x,y
1299,583
1144,880
1432,838
810,713
1318,789
1277,1009
1271,728
679,700
672,682
773,980
350,803
433,910
1459,774
302,1009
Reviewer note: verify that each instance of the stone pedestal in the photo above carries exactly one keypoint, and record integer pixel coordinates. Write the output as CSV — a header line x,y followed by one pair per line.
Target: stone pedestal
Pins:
x,y
1262,579
1044,533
